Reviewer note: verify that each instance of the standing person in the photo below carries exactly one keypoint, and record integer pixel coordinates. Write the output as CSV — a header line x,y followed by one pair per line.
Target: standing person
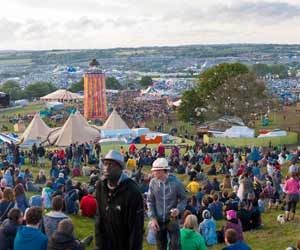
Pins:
x,y
120,212
167,200
41,156
34,155
291,188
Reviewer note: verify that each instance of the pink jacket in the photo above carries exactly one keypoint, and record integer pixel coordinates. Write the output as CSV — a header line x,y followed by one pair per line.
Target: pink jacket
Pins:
x,y
292,186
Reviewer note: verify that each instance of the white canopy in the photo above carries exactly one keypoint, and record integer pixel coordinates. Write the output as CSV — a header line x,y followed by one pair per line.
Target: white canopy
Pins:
x,y
239,132
61,95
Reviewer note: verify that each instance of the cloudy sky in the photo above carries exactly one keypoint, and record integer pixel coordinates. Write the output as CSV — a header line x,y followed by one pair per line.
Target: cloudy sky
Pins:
x,y
76,24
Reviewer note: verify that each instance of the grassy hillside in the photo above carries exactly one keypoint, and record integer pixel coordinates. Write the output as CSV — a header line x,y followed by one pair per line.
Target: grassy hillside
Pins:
x,y
272,236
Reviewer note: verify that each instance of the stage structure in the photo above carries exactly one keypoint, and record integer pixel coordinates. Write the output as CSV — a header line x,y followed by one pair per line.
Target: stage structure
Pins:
x,y
95,106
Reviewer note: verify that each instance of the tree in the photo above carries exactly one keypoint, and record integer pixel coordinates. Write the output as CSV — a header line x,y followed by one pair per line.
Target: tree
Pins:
x,y
38,89
112,83
225,89
189,107
13,89
76,87
146,81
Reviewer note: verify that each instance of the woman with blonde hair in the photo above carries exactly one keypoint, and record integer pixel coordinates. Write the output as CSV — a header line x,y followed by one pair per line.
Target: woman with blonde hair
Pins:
x,y
189,236
7,203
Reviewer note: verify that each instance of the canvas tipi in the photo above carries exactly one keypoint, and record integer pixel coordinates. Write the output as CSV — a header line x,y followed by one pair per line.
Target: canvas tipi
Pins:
x,y
75,130
36,132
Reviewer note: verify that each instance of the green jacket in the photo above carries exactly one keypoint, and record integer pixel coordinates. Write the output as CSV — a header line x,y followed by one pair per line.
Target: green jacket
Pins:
x,y
191,240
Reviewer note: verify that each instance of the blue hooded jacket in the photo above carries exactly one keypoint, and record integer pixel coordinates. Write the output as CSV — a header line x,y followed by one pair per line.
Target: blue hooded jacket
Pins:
x,y
30,238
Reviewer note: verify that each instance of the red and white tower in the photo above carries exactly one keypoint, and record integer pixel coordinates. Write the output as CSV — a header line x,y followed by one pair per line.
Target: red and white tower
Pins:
x,y
95,106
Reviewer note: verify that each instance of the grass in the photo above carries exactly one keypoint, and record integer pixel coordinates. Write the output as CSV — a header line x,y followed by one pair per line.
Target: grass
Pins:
x,y
272,236
16,62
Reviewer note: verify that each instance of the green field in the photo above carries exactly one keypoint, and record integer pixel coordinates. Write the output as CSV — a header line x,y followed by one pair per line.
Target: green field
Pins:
x,y
15,61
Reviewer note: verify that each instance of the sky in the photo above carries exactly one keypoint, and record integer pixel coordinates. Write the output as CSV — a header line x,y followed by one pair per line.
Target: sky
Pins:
x,y
100,24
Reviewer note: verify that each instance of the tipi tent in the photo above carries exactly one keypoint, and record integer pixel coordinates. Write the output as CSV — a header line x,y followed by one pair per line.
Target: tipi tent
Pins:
x,y
61,95
114,126
37,131
75,129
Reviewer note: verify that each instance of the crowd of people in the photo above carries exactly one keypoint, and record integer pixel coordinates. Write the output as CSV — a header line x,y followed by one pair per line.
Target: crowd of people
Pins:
x,y
231,184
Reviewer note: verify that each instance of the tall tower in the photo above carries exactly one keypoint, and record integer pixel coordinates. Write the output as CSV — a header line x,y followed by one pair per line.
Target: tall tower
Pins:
x,y
95,106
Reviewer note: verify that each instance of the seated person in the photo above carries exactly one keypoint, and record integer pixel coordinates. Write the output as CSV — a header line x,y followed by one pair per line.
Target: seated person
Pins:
x,y
63,238
244,216
88,204
52,218
9,228
41,178
30,236
216,208
212,170
207,229
232,241
232,222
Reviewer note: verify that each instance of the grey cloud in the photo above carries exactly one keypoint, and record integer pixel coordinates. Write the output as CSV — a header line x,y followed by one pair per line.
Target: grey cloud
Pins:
x,y
259,12
262,10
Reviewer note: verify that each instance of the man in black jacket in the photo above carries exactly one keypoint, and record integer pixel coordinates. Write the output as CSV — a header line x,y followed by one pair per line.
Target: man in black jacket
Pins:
x,y
120,212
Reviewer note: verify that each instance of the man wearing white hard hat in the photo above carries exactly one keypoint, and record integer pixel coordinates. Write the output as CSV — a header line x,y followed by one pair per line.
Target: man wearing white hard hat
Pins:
x,y
120,211
167,200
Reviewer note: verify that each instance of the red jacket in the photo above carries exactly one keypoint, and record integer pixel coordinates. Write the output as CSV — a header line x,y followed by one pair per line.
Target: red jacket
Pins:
x,y
88,205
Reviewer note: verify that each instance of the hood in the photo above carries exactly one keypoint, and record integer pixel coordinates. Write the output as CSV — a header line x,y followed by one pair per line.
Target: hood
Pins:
x,y
187,233
9,227
48,189
62,238
123,178
28,234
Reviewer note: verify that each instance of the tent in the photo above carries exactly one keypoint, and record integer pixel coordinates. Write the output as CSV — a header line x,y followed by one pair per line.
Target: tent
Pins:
x,y
37,131
114,126
150,91
177,103
75,129
61,95
239,132
55,105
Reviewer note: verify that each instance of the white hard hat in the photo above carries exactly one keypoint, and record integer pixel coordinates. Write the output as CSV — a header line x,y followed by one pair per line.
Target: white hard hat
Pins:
x,y
160,164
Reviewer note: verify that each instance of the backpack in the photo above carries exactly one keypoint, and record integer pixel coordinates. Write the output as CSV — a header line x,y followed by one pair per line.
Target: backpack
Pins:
x,y
71,205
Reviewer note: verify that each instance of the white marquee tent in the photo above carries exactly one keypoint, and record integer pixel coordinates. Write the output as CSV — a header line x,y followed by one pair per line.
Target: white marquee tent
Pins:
x,y
61,95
